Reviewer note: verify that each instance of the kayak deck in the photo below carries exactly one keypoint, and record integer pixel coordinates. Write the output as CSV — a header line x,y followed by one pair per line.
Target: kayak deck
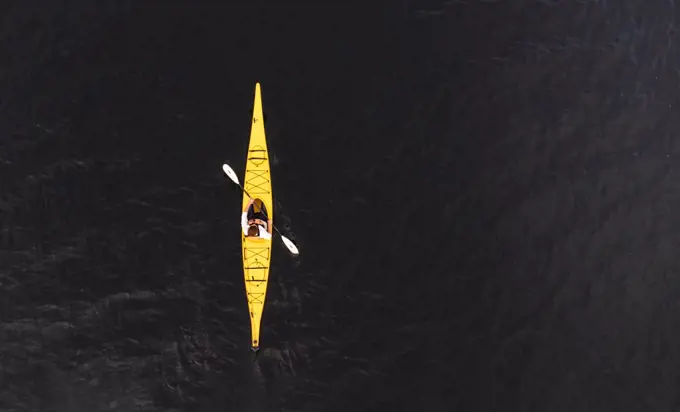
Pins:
x,y
257,251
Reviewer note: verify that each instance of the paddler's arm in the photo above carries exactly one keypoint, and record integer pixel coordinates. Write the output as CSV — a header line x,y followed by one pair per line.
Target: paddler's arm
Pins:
x,y
244,217
244,222
270,226
250,202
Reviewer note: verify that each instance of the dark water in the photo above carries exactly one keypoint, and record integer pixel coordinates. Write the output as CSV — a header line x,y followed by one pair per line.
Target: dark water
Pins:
x,y
483,193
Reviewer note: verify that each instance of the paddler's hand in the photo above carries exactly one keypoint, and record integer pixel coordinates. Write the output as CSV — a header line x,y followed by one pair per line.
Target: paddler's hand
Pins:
x,y
270,226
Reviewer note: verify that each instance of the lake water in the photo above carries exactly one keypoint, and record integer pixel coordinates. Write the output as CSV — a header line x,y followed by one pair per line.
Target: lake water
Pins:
x,y
483,194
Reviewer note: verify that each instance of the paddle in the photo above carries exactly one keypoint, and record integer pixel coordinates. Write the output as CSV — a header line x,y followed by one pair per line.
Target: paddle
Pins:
x,y
232,175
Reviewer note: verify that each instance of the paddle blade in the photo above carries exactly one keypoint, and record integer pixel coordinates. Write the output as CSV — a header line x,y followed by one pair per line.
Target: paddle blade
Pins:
x,y
290,245
230,172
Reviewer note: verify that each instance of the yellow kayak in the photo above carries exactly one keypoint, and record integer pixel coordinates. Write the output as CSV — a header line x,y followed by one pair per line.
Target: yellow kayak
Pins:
x,y
257,251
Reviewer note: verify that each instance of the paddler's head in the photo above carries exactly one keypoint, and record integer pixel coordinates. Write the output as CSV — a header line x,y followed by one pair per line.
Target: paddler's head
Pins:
x,y
253,231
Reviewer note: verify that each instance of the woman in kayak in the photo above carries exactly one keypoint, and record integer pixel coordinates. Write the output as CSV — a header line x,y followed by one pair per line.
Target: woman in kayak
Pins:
x,y
256,224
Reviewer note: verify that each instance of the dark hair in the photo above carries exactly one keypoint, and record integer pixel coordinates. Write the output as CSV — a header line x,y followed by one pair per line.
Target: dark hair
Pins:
x,y
253,231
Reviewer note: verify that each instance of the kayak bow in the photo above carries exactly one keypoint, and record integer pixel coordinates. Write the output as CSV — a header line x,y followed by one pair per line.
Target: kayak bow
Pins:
x,y
257,251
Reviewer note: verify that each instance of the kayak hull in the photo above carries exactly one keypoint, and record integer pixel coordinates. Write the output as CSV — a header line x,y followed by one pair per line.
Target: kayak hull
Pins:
x,y
257,251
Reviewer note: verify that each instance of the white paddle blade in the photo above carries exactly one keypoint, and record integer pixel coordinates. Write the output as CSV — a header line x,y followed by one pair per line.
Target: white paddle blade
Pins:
x,y
230,172
290,245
